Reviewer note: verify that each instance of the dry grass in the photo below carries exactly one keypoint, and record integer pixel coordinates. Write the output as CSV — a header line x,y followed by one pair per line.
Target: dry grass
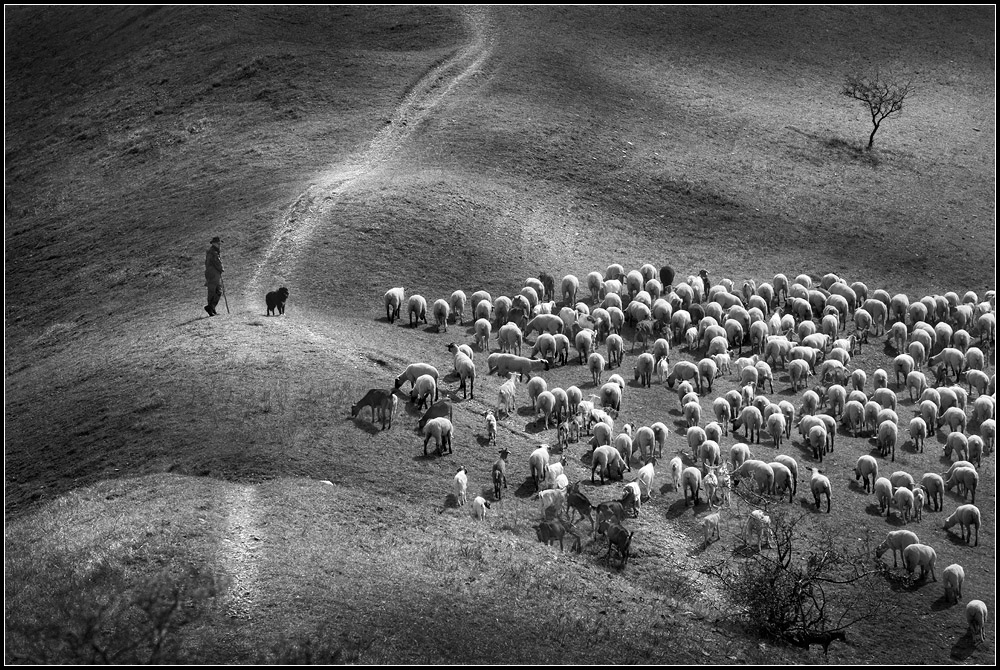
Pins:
x,y
151,449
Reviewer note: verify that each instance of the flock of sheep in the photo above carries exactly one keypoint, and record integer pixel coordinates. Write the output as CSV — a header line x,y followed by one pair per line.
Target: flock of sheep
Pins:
x,y
797,325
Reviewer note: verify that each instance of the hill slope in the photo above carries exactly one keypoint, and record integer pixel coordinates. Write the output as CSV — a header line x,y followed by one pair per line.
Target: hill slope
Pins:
x,y
340,151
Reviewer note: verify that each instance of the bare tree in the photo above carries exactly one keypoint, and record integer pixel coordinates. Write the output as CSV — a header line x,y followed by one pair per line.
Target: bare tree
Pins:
x,y
882,92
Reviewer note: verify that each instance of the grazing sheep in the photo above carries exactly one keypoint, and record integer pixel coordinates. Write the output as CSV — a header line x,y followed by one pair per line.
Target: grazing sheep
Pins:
x,y
393,302
504,364
897,540
903,499
948,358
958,443
645,478
441,430
783,479
424,391
820,485
919,555
461,485
483,330
466,370
751,419
883,494
416,309
918,432
888,434
691,480
610,462
976,615
777,427
570,286
798,372
506,396
933,484
479,507
643,370
759,472
538,464
866,467
739,453
413,372
441,311
953,577
510,338
967,516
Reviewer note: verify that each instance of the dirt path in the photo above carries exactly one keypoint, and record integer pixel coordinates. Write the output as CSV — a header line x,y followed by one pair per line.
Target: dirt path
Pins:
x,y
294,234
239,553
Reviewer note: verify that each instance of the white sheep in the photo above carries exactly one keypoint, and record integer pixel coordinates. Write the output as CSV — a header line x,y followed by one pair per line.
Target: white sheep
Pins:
x,y
966,478
883,494
506,396
676,470
967,516
441,311
643,370
711,525
903,499
461,485
465,368
645,478
610,462
510,338
758,524
866,467
953,577
424,391
820,485
538,464
441,430
479,507
570,287
504,364
393,302
759,472
691,480
416,309
897,540
920,555
483,329
933,484
976,615
491,426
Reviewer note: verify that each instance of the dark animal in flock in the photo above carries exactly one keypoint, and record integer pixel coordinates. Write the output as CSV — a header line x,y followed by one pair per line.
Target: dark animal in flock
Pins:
x,y
438,409
667,276
276,301
377,399
499,473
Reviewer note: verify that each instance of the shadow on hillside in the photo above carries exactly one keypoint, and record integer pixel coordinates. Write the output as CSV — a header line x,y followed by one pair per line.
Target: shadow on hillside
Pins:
x,y
964,647
366,425
679,507
872,510
942,604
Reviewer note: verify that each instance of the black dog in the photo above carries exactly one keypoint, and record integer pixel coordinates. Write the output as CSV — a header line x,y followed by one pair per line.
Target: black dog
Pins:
x,y
276,300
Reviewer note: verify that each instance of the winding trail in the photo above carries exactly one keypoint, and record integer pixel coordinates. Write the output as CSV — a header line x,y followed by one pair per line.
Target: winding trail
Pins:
x,y
241,550
294,234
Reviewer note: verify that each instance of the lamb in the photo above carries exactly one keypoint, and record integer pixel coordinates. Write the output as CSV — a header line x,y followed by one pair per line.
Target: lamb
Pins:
x,y
820,485
416,308
758,471
645,479
976,615
919,555
378,400
966,478
424,390
691,480
393,302
711,525
479,507
758,524
441,430
919,497
538,464
461,485
966,516
551,499
897,540
506,396
499,472
504,364
866,467
610,462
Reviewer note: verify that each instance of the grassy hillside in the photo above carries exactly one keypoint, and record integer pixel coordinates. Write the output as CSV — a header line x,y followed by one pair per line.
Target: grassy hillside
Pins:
x,y
341,151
